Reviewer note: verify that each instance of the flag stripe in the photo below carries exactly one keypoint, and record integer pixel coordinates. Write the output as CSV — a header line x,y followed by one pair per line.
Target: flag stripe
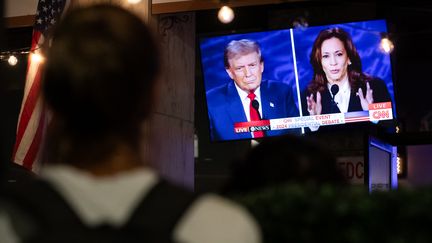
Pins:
x,y
29,133
31,92
28,108
34,147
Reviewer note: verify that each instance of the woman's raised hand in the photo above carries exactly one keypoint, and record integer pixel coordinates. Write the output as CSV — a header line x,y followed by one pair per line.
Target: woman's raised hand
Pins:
x,y
367,99
314,107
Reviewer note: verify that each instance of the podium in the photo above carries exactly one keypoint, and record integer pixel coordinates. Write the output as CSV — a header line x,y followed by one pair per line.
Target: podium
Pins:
x,y
380,164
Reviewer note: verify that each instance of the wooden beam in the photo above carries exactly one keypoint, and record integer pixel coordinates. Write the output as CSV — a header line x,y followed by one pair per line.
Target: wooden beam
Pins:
x,y
161,8
185,6
19,21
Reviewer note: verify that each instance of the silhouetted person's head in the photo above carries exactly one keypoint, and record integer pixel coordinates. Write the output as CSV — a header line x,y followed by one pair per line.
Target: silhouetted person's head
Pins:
x,y
99,81
286,159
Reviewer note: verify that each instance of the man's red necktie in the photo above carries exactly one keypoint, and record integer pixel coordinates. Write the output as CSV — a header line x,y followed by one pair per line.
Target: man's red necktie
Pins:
x,y
254,116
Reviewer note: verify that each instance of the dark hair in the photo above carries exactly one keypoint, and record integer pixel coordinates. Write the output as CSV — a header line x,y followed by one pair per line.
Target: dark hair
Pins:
x,y
356,77
100,74
240,47
285,159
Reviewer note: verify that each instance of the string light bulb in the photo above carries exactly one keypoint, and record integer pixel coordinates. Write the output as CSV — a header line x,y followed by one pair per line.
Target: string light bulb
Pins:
x,y
37,58
12,60
225,14
134,1
386,45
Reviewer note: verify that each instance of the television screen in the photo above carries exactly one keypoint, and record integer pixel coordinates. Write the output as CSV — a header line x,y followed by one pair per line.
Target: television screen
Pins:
x,y
270,83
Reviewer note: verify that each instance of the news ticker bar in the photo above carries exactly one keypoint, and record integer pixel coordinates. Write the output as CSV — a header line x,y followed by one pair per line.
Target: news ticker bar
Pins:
x,y
376,112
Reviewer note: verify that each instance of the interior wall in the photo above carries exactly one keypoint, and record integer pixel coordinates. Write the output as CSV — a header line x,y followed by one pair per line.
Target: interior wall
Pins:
x,y
15,8
172,125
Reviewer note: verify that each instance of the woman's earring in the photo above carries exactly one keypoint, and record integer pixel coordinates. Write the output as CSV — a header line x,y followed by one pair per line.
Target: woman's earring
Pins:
x,y
349,63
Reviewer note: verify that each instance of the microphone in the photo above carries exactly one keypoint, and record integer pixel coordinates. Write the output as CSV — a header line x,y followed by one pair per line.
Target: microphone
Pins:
x,y
334,90
255,105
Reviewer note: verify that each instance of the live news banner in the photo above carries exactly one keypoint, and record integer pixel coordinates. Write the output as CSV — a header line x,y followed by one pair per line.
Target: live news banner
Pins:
x,y
376,112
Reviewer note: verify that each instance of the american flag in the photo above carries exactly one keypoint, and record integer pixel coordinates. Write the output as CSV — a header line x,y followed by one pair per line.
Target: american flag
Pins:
x,y
32,118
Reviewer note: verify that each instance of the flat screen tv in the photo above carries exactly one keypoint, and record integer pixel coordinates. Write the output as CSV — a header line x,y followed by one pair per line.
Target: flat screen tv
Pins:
x,y
281,71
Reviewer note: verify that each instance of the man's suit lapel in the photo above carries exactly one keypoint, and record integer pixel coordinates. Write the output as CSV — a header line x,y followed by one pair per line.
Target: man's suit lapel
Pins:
x,y
326,102
354,102
235,108
267,104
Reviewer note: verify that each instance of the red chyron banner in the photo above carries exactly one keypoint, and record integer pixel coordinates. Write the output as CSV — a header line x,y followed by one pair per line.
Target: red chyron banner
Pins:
x,y
252,126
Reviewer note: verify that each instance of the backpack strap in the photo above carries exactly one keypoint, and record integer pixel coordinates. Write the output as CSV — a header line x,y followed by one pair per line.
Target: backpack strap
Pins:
x,y
42,205
153,220
159,212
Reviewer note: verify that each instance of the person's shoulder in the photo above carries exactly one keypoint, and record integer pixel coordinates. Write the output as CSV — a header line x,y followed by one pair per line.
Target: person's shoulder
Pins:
x,y
275,85
217,96
219,89
212,218
13,221
376,82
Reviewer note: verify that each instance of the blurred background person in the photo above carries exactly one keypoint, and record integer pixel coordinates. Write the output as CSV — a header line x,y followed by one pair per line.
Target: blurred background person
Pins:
x,y
284,160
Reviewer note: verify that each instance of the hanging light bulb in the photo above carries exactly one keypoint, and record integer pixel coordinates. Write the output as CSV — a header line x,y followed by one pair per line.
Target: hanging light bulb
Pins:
x,y
386,45
12,60
225,14
134,1
37,58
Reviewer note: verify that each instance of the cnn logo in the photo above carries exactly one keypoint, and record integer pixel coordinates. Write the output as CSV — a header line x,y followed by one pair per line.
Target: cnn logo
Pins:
x,y
381,114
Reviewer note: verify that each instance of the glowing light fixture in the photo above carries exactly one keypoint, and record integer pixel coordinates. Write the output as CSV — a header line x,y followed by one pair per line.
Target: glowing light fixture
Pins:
x,y
386,45
134,1
12,60
36,57
225,14
399,164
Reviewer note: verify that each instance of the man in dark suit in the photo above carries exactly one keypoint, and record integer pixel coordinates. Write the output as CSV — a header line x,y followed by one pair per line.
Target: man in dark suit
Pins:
x,y
248,98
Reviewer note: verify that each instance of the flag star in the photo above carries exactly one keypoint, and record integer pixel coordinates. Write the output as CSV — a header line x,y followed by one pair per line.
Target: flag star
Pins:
x,y
53,21
39,21
44,9
271,104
